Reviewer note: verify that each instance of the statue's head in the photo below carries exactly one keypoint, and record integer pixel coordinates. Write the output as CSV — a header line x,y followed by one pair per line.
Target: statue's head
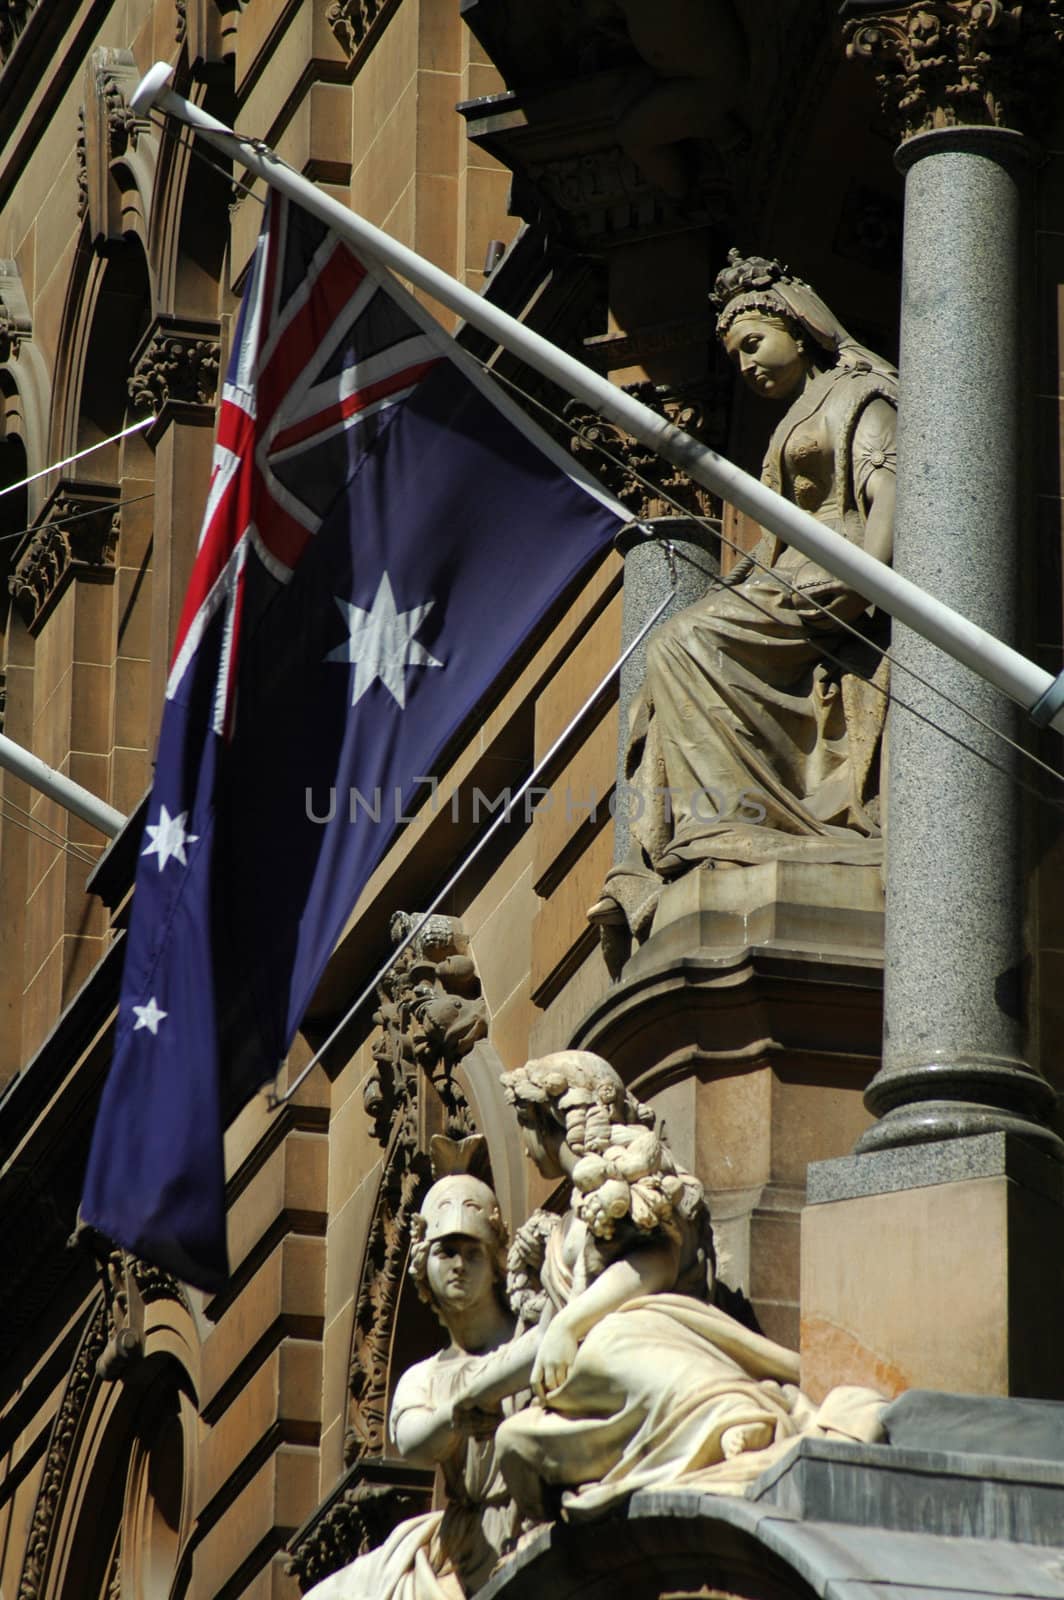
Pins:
x,y
571,1096
778,330
459,1243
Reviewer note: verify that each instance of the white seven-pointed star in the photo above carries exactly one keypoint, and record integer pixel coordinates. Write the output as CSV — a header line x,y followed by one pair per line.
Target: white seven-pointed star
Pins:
x,y
168,838
148,1016
382,643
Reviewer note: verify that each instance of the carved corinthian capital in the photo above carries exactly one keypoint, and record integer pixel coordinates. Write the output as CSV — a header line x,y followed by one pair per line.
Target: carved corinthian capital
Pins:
x,y
944,63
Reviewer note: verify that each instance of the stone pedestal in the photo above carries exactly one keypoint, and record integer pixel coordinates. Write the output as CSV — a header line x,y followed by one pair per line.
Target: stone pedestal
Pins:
x,y
939,1266
751,1021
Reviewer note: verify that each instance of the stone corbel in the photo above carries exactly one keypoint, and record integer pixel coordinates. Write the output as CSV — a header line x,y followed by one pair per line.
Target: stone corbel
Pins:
x,y
175,368
76,536
117,149
949,63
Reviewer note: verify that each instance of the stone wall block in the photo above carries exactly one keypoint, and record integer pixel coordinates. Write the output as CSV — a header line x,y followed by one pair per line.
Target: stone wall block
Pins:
x,y
261,1519
285,1298
280,1401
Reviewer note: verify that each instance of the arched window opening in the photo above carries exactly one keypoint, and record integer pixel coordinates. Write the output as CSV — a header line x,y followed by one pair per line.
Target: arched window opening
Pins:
x,y
120,318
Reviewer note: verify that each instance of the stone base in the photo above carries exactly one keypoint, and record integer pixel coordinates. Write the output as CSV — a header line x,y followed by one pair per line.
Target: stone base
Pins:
x,y
799,906
751,1020
939,1266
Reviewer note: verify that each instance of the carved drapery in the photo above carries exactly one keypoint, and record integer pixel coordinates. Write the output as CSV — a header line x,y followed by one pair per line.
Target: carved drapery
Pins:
x,y
946,63
76,536
111,132
640,479
176,364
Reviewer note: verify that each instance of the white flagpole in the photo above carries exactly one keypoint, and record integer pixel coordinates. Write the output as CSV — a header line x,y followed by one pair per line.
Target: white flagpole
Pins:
x,y
32,770
1036,690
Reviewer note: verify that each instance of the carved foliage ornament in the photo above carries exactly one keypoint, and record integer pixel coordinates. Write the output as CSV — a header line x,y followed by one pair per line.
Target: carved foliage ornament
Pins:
x,y
945,63
152,1283
77,536
430,1015
638,477
358,1519
177,363
356,22
60,1451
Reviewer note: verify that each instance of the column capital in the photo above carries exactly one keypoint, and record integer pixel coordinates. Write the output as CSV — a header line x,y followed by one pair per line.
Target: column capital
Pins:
x,y
948,63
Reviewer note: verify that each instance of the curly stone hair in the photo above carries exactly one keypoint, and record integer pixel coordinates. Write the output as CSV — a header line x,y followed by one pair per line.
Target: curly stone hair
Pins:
x,y
581,1093
623,1171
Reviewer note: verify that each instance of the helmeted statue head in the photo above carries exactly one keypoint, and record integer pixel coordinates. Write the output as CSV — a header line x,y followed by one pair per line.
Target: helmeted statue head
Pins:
x,y
461,1204
458,1206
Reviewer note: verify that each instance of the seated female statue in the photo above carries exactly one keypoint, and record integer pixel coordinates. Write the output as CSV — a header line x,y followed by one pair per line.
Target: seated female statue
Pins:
x,y
756,735
639,1378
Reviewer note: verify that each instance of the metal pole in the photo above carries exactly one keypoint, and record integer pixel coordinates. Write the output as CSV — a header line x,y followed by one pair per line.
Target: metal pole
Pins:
x,y
1022,680
32,770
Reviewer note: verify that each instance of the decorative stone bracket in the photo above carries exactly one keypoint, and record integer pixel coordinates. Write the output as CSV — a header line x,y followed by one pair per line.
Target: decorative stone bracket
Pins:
x,y
76,536
112,134
176,364
945,63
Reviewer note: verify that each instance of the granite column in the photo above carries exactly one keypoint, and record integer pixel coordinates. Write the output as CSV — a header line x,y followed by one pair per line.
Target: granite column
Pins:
x,y
953,1008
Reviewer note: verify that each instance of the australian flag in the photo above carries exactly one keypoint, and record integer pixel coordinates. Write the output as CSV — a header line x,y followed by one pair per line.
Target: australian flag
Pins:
x,y
383,530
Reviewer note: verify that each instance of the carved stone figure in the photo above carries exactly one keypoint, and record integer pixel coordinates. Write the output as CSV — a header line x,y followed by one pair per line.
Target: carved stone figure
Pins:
x,y
458,1264
757,732
698,52
639,1378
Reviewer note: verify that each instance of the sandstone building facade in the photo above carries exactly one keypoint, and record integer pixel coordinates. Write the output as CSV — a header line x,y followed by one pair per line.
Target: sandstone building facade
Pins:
x,y
158,1442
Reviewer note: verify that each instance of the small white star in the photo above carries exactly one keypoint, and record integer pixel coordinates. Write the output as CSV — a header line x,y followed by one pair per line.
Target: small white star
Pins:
x,y
168,838
149,1017
382,643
